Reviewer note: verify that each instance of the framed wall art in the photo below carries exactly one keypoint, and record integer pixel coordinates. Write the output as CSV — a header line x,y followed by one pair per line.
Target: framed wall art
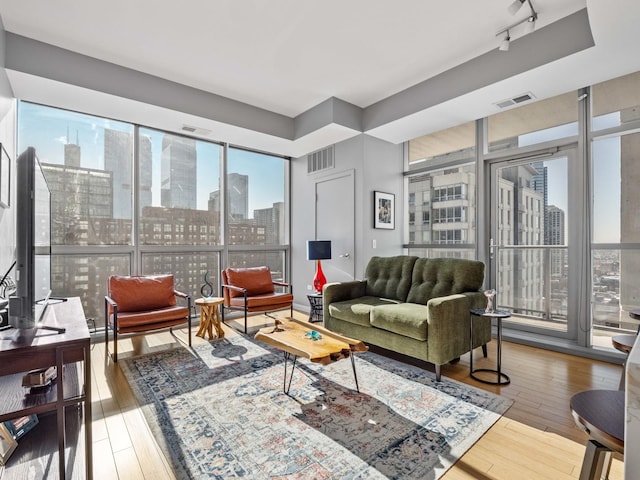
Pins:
x,y
384,210
5,178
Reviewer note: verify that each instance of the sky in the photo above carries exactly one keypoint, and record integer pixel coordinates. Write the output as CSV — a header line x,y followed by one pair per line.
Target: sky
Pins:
x,y
606,175
49,129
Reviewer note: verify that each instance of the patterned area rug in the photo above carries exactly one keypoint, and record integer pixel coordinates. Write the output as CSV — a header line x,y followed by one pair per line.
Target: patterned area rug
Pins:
x,y
222,413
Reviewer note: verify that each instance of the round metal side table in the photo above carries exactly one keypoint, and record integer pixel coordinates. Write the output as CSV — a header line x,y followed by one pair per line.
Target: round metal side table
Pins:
x,y
315,312
502,378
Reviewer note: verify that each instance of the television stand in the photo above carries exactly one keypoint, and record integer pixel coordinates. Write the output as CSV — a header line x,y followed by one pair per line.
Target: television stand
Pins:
x,y
71,391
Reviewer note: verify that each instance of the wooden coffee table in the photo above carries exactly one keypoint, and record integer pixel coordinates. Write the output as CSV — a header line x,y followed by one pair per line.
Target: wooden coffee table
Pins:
x,y
292,339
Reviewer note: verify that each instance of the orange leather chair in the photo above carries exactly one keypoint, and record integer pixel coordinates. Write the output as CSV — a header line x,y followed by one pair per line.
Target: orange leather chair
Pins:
x,y
136,305
253,290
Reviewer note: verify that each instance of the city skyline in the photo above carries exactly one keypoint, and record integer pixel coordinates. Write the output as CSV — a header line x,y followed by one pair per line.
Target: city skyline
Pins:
x,y
50,130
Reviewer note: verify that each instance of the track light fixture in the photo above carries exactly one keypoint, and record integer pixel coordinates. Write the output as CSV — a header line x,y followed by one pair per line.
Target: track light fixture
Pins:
x,y
515,6
530,22
504,44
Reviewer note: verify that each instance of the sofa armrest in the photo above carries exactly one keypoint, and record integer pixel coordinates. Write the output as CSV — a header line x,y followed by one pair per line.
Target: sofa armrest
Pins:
x,y
448,325
339,291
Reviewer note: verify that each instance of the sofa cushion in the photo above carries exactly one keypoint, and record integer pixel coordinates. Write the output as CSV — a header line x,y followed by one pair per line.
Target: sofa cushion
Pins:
x,y
408,319
136,294
389,277
439,277
256,280
358,310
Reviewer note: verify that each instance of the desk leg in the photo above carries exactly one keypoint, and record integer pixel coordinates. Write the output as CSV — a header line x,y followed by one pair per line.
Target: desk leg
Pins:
x,y
88,419
60,412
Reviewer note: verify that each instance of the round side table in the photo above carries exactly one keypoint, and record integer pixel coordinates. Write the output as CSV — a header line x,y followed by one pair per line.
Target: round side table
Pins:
x,y
210,316
502,378
315,301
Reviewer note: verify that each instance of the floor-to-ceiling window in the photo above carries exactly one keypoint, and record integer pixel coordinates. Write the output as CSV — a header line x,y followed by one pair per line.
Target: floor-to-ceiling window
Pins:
x,y
127,199
562,242
441,183
615,249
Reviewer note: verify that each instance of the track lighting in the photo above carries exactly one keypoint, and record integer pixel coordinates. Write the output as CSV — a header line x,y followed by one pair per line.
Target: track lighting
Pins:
x,y
504,44
515,6
530,23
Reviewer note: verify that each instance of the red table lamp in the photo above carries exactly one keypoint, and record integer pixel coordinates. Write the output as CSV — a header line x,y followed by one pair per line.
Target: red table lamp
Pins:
x,y
319,250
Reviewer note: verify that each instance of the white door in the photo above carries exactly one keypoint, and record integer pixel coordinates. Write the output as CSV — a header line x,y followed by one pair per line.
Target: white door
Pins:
x,y
335,221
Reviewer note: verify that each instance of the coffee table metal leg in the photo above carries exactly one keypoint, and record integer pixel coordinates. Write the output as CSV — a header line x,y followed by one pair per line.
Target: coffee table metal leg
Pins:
x,y
287,356
355,375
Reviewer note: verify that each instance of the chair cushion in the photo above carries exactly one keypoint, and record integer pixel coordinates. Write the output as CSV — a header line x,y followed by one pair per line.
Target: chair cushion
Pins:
x,y
408,319
135,294
150,320
271,301
358,310
256,280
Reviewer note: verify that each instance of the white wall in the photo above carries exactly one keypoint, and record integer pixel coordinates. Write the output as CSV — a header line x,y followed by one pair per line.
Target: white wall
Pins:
x,y
7,139
378,165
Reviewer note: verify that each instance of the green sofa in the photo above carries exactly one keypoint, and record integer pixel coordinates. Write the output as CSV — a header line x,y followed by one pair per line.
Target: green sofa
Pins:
x,y
415,306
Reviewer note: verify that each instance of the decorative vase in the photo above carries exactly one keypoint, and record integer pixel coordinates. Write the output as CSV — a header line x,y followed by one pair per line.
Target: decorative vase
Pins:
x,y
490,294
207,289
319,280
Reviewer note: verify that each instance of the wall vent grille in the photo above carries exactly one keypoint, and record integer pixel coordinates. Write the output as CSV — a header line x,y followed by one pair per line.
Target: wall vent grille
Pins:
x,y
320,160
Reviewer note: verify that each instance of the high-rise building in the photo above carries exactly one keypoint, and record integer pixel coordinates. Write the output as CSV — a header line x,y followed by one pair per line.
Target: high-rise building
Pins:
x,y
272,219
72,155
238,188
81,199
118,159
539,182
178,186
555,217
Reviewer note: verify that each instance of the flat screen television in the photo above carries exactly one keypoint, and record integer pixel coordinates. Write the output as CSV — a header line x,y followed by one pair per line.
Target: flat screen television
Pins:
x,y
33,243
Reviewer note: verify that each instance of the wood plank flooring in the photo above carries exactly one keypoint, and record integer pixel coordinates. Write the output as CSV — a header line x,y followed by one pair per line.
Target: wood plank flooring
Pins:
x,y
535,439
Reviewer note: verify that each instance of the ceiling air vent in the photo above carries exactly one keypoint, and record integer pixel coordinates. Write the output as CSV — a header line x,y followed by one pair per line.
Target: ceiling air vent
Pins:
x,y
525,97
195,130
320,160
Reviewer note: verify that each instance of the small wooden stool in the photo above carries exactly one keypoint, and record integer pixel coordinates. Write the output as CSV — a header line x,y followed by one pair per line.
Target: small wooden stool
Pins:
x,y
623,343
600,413
210,316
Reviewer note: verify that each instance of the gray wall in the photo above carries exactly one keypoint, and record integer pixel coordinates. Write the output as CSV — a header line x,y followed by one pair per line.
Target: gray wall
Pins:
x,y
378,165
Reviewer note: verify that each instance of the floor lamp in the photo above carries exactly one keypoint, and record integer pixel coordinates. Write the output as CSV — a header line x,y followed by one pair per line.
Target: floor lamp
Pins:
x,y
319,250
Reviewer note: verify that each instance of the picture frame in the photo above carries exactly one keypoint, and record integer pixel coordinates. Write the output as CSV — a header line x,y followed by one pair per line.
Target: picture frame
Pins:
x,y
384,210
7,444
5,178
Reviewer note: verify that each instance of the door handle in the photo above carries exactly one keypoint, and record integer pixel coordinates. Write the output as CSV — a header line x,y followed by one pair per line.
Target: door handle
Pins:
x,y
345,255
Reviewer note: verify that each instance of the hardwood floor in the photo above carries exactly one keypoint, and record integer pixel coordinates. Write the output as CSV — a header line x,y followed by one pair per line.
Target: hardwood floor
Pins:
x,y
535,439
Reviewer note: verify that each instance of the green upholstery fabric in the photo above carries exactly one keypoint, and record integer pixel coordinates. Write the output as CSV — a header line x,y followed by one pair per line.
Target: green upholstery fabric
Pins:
x,y
408,319
414,306
389,277
357,311
438,277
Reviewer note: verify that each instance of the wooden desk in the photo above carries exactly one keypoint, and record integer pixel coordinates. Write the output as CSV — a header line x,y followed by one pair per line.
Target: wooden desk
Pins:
x,y
40,348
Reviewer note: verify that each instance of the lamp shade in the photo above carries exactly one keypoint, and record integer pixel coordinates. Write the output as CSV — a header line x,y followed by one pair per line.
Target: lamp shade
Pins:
x,y
318,249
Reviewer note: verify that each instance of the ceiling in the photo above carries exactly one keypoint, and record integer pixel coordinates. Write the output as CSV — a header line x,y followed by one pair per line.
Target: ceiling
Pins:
x,y
286,57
